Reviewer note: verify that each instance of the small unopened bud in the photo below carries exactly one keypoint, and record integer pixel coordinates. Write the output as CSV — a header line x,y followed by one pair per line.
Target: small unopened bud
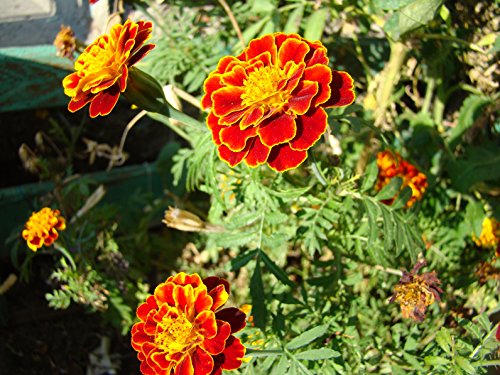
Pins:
x,y
145,92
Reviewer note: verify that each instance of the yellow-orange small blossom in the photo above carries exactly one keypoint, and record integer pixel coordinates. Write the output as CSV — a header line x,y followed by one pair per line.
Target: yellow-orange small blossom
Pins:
x,y
490,234
41,228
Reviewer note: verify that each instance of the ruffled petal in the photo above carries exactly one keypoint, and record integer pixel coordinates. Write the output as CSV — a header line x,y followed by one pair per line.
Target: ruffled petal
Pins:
x,y
215,128
185,367
278,130
235,138
258,153
323,75
342,87
261,45
310,128
104,102
230,157
234,316
232,356
216,344
292,50
283,158
227,100
235,77
302,97
203,362
211,84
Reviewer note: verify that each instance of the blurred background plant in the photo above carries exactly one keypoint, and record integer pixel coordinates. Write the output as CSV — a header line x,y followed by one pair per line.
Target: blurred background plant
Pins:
x,y
316,251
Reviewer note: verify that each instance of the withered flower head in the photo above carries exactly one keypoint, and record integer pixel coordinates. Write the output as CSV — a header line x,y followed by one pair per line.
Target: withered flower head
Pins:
x,y
415,292
65,42
188,222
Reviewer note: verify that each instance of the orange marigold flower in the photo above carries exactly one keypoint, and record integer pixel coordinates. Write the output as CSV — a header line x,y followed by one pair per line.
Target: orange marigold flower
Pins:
x,y
392,165
268,104
415,292
183,330
103,68
41,228
490,234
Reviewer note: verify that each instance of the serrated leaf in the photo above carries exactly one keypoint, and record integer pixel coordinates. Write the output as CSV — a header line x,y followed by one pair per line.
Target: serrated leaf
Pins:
x,y
410,17
474,215
259,310
443,339
289,194
372,212
389,226
317,354
315,24
275,270
464,364
242,259
244,219
236,239
306,337
370,176
390,190
391,4
466,116
282,366
432,360
403,197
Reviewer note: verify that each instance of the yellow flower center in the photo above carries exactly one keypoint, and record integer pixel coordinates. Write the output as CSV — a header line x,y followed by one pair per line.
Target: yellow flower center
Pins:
x,y
263,87
100,55
175,333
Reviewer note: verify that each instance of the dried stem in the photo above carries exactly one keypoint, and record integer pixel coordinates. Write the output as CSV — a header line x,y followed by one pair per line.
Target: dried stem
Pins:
x,y
233,21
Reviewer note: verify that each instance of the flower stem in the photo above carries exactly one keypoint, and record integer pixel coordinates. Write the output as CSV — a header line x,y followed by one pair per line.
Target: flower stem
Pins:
x,y
66,254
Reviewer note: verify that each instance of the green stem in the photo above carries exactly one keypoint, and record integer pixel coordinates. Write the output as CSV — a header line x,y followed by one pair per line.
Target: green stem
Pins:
x,y
450,38
319,175
428,95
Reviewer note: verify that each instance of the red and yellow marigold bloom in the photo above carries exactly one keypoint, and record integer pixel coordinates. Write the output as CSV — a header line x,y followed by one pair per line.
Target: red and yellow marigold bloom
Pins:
x,y
415,292
490,234
102,69
41,228
392,165
184,330
268,104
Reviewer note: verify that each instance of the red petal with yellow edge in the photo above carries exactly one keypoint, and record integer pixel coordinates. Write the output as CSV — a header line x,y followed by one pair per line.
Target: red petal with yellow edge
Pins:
x,y
232,117
140,54
205,321
279,130
203,362
145,29
302,97
139,337
183,296
219,296
280,38
310,128
144,309
164,293
79,102
264,58
104,102
215,128
292,50
211,282
235,77
231,357
283,158
202,300
183,278
185,367
323,75
71,82
122,82
234,316
230,157
224,62
319,56
252,117
160,360
342,87
211,84
146,369
294,73
258,153
216,344
235,138
261,45
227,100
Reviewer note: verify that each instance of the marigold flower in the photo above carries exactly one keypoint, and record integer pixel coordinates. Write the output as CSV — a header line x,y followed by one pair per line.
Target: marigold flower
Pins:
x,y
392,165
490,234
183,330
415,292
268,104
41,228
102,70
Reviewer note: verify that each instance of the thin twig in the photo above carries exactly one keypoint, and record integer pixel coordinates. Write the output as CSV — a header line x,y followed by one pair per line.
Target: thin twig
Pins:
x,y
233,21
187,97
130,125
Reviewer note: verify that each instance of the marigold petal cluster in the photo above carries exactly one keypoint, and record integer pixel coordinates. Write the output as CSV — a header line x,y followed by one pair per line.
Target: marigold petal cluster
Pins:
x,y
415,292
392,165
102,69
490,234
42,228
183,328
268,104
